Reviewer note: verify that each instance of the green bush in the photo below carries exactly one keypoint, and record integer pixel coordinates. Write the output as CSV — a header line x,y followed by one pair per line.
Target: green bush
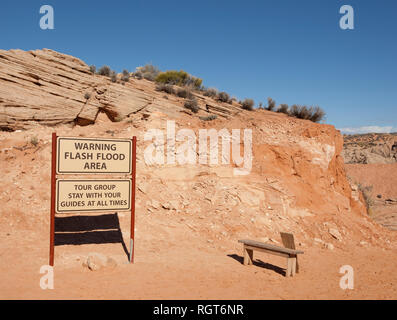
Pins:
x,y
179,78
104,71
172,77
248,104
192,105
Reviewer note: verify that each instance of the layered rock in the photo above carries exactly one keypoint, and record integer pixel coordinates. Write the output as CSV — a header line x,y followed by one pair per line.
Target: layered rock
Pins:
x,y
370,148
47,87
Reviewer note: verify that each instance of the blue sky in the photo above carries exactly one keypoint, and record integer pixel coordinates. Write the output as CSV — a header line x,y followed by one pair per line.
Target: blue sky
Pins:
x,y
293,51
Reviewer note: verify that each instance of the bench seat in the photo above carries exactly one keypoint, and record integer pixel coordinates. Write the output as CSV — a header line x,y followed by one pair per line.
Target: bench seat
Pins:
x,y
290,254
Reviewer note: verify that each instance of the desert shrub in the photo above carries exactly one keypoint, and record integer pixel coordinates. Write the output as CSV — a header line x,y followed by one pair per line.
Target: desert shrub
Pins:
x,y
210,92
93,69
300,112
180,78
165,88
138,75
104,71
125,76
248,104
148,72
113,76
317,114
192,105
260,105
271,104
87,95
34,141
209,118
223,96
367,195
184,93
283,108
172,77
194,82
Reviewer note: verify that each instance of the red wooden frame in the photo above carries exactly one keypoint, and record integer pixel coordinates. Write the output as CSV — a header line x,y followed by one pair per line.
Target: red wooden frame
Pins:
x,y
53,195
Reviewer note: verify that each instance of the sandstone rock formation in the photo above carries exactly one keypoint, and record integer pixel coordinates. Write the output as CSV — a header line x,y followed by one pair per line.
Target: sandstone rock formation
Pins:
x,y
370,148
188,216
47,87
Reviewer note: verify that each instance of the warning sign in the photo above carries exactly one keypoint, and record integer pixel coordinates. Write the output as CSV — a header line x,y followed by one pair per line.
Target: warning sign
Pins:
x,y
93,195
85,156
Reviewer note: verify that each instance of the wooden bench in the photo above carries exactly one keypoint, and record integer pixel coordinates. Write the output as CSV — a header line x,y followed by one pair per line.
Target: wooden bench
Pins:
x,y
288,251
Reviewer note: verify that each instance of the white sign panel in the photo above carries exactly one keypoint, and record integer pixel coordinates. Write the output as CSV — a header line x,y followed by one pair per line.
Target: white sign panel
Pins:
x,y
91,155
93,195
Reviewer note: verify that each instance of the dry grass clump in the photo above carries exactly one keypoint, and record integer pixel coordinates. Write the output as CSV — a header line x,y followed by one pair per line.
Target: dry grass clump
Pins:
x,y
223,96
248,104
148,72
210,92
271,104
165,88
192,105
283,108
209,118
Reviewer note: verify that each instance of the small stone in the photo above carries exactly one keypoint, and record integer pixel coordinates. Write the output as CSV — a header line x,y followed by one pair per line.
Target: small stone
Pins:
x,y
96,261
142,187
335,233
329,246
155,204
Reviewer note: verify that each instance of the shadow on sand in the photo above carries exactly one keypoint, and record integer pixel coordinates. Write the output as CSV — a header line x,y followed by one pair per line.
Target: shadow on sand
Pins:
x,y
79,230
259,263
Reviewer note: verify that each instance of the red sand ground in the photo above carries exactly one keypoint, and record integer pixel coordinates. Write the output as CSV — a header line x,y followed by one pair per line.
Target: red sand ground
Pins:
x,y
177,256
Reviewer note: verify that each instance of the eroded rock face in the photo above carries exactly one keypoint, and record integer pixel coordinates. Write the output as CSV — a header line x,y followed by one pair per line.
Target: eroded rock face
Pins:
x,y
51,88
47,87
296,176
370,148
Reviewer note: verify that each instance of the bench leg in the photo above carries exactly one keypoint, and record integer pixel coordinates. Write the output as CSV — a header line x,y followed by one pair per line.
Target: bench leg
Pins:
x,y
248,256
293,266
288,272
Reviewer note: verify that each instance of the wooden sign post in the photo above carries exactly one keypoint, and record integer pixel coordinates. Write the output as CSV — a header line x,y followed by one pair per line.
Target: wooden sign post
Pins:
x,y
79,156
